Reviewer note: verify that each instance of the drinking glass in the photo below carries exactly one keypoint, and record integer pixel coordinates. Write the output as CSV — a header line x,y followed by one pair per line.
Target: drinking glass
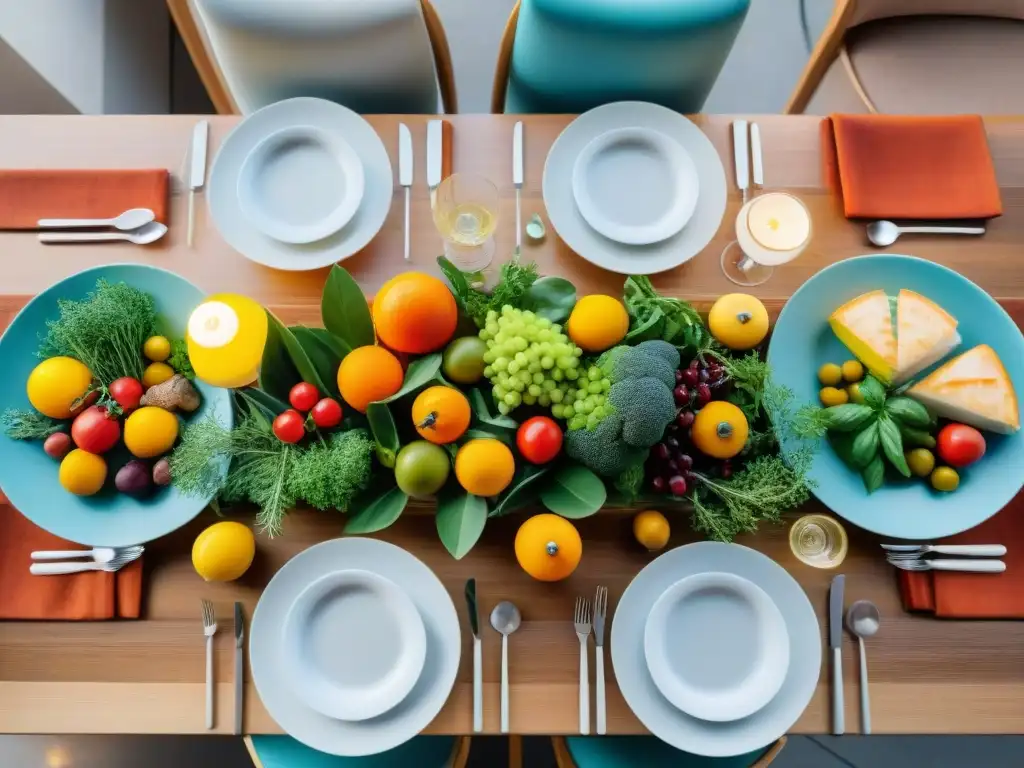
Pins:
x,y
771,229
466,215
819,541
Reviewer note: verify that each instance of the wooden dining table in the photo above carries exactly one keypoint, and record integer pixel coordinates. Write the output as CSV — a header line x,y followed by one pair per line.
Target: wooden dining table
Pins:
x,y
147,676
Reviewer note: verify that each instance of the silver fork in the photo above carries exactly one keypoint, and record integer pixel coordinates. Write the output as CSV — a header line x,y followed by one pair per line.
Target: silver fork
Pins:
x,y
911,551
209,630
969,566
600,611
582,621
105,559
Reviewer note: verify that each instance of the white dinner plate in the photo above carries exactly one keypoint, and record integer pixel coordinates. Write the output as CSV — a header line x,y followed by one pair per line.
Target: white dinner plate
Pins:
x,y
684,731
355,645
716,646
600,250
300,184
240,233
267,649
635,186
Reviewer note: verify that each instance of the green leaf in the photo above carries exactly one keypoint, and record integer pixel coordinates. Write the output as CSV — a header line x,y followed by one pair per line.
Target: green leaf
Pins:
x,y
461,518
375,509
522,491
909,412
421,372
574,492
263,407
322,354
848,417
299,358
865,445
916,438
278,373
457,279
483,434
551,297
873,392
842,444
892,444
345,311
478,403
873,474
385,433
645,330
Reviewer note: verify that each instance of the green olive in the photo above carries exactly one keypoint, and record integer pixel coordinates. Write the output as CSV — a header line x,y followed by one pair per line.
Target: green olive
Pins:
x,y
830,375
856,396
945,479
921,461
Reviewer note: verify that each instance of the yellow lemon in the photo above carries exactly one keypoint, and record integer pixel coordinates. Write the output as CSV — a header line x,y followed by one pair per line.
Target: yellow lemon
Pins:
x,y
156,373
597,323
226,335
651,529
484,467
150,432
157,348
56,384
738,321
224,551
82,473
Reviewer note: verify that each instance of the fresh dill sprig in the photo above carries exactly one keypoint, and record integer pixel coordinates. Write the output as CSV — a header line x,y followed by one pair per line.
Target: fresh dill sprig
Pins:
x,y
328,475
28,425
514,281
810,422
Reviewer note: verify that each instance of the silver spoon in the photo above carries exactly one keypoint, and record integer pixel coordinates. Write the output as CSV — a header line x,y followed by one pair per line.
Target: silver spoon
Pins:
x,y
862,619
104,560
885,233
127,221
505,619
144,235
98,554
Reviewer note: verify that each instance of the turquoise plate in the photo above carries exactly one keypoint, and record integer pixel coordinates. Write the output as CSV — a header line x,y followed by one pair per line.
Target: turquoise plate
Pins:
x,y
803,341
29,477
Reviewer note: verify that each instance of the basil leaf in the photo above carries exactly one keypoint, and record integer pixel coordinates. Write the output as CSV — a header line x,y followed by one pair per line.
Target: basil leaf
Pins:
x,y
460,519
848,417
916,438
522,490
574,492
909,412
873,392
420,372
375,509
551,297
842,444
865,445
345,311
873,474
892,444
385,433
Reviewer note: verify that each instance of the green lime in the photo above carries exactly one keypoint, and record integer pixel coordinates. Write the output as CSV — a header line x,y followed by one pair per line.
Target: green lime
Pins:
x,y
421,468
921,461
945,479
463,360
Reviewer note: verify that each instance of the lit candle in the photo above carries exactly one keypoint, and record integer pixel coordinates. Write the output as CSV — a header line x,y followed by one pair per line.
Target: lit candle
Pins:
x,y
773,228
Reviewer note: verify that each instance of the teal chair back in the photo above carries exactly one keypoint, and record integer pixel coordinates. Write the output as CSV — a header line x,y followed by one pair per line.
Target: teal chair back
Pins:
x,y
568,56
649,752
421,752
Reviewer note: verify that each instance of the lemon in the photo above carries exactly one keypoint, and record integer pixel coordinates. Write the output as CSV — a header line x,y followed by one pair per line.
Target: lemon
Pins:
x,y
56,384
157,348
226,335
651,529
150,432
82,473
224,551
597,323
156,373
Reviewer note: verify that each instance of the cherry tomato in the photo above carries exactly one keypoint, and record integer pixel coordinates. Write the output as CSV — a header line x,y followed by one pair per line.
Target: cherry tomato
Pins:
x,y
94,430
960,445
289,426
539,439
126,392
303,396
326,413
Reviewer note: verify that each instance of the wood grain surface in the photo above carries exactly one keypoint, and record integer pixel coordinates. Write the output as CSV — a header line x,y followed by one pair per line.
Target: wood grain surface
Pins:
x,y
927,676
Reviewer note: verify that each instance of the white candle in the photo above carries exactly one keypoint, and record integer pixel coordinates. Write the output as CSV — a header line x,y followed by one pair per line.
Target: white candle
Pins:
x,y
773,228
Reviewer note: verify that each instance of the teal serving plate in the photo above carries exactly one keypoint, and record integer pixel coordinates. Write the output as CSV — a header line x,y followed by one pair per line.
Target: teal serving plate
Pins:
x,y
29,477
802,341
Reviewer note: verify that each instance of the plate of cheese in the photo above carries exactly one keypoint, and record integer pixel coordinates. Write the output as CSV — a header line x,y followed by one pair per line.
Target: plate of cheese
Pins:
x,y
905,376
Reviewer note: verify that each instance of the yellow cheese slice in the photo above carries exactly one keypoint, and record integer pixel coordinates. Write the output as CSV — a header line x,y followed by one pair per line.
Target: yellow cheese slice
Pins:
x,y
974,389
925,333
864,325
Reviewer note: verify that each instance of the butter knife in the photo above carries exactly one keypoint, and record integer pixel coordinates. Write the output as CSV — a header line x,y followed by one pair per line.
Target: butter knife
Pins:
x,y
741,156
239,679
197,172
405,175
434,150
835,643
474,623
517,179
756,160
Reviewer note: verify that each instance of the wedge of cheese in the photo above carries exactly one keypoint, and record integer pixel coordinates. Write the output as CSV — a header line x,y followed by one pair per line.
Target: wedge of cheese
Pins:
x,y
865,326
972,389
925,333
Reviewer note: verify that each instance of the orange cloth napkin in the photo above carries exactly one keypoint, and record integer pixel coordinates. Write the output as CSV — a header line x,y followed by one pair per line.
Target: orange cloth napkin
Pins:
x,y
952,595
29,195
80,596
902,167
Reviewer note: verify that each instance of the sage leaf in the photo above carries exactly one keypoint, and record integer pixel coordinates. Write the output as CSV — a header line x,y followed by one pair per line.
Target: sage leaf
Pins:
x,y
873,392
551,297
460,518
865,445
278,373
375,509
345,311
522,491
892,444
420,372
322,354
873,474
848,417
909,412
573,491
385,433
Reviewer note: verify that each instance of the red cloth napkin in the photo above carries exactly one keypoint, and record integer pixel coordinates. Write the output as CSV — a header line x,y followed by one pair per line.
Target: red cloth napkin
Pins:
x,y
952,595
75,597
29,195
911,167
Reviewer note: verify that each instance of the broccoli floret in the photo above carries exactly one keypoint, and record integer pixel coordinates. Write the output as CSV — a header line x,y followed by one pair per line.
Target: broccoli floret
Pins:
x,y
622,363
661,349
646,407
602,448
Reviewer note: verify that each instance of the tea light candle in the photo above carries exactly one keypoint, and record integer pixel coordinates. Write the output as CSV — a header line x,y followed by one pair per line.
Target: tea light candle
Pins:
x,y
772,229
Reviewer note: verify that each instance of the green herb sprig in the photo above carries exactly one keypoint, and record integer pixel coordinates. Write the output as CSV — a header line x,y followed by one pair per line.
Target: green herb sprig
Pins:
x,y
652,316
514,280
28,425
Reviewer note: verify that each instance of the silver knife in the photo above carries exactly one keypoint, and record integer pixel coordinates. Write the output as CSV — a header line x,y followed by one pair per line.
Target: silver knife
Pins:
x,y
835,642
741,156
197,171
756,161
405,175
435,148
239,653
474,623
517,179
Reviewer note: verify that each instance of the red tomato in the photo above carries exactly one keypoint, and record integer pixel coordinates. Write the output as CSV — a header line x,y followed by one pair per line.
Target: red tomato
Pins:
x,y
303,396
539,439
126,392
94,430
960,445
289,426
327,413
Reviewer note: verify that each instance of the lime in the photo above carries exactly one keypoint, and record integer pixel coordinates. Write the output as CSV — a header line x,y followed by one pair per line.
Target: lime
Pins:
x,y
463,360
421,468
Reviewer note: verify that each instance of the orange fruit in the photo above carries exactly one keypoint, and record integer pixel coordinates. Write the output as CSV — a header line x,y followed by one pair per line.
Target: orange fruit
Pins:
x,y
441,414
367,374
597,323
415,313
720,430
651,529
548,547
484,467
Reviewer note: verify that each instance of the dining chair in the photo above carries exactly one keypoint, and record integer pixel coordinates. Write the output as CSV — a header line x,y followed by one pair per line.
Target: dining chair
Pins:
x,y
572,55
648,751
422,752
917,57
385,56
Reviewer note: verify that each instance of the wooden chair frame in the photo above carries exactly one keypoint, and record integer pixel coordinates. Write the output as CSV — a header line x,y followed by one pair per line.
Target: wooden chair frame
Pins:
x,y
459,756
564,760
824,54
504,65
198,47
